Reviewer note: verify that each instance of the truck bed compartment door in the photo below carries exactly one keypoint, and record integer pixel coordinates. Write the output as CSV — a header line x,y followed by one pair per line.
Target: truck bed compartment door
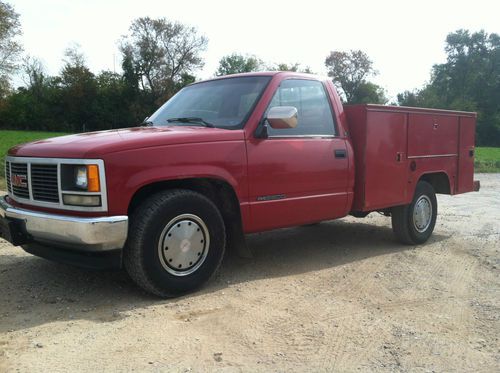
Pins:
x,y
432,135
466,155
385,163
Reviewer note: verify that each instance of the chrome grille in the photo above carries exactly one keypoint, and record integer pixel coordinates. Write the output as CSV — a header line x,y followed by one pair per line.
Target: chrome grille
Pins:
x,y
44,182
18,170
7,176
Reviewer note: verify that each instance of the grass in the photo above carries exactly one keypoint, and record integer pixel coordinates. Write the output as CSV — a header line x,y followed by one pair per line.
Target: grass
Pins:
x,y
487,159
10,138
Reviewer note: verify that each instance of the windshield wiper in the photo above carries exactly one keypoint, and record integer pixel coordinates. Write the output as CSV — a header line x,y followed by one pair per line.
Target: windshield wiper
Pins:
x,y
147,123
191,120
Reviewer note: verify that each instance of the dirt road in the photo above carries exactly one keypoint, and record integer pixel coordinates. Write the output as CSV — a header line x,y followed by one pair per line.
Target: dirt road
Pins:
x,y
338,296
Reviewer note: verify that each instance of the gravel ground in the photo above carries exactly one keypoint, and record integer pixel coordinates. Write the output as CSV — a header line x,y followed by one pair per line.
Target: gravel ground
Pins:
x,y
338,296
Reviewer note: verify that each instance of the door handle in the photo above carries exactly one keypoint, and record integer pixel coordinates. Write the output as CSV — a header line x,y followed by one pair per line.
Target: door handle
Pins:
x,y
340,153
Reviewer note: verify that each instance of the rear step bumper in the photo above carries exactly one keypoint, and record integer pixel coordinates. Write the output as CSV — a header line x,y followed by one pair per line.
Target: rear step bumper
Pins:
x,y
477,185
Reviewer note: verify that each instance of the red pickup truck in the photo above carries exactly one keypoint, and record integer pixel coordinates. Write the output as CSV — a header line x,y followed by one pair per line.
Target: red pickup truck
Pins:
x,y
225,157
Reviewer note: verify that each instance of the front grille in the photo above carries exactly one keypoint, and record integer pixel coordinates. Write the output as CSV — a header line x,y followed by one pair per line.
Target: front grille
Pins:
x,y
19,171
7,176
44,182
41,182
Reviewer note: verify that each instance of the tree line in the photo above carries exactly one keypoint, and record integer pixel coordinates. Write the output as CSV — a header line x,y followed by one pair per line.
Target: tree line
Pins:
x,y
160,57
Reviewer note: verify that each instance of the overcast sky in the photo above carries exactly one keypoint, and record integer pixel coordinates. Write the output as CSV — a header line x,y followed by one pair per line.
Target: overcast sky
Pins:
x,y
403,38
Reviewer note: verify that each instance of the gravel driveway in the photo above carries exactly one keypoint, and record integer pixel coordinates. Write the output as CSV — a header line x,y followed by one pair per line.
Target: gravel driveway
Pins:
x,y
338,296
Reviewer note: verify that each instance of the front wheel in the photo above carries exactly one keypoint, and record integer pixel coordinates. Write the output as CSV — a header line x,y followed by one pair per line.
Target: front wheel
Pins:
x,y
414,223
176,242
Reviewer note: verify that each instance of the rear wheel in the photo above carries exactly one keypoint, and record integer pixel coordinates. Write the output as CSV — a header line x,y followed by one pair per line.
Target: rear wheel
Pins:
x,y
414,223
176,242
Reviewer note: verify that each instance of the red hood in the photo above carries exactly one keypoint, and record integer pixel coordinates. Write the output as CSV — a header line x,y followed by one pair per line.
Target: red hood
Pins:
x,y
96,144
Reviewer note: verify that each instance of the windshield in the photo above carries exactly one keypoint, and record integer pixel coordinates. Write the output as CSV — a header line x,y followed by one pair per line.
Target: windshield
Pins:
x,y
224,103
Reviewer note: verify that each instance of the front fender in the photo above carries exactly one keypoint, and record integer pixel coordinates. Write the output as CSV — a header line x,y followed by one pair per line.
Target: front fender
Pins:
x,y
129,171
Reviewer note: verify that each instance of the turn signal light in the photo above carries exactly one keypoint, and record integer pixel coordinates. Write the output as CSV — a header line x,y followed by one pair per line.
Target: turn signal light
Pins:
x,y
93,184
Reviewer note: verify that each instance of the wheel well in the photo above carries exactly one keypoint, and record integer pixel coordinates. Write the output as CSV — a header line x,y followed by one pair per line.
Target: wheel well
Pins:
x,y
439,181
218,191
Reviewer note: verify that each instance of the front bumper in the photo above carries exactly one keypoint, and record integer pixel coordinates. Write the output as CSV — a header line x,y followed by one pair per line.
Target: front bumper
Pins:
x,y
92,235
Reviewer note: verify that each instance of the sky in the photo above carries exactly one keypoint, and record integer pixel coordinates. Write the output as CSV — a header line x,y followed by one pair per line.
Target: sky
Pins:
x,y
403,38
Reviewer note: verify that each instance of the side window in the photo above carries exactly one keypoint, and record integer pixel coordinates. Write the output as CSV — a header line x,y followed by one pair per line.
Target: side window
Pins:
x,y
310,100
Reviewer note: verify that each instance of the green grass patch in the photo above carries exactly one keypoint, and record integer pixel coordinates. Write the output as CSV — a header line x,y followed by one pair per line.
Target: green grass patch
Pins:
x,y
487,160
10,138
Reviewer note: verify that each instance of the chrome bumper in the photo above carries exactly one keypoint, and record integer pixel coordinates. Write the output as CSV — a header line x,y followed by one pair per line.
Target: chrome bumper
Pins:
x,y
73,233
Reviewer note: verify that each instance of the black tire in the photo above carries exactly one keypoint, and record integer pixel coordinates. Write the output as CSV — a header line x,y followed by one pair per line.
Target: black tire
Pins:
x,y
142,255
403,221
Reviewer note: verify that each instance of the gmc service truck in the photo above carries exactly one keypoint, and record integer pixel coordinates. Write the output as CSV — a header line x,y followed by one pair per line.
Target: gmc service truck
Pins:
x,y
226,157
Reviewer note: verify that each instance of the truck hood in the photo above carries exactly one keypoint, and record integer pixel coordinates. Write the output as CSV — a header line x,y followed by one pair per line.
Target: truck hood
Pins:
x,y
96,144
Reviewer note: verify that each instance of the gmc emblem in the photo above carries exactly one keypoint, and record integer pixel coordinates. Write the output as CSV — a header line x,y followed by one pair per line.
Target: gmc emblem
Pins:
x,y
20,181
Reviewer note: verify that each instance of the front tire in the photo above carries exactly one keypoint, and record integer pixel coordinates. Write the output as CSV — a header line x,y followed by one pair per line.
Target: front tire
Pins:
x,y
176,243
414,223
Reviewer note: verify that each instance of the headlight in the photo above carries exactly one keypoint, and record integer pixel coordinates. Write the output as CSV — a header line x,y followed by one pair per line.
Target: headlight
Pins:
x,y
81,185
87,178
81,177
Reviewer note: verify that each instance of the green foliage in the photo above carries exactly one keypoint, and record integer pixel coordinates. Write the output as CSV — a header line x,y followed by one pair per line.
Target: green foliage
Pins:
x,y
409,98
295,67
369,93
12,138
78,100
10,49
237,63
75,101
487,160
469,80
160,52
349,72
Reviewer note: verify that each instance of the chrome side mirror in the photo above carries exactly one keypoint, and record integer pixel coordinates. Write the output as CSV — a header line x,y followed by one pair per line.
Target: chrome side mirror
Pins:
x,y
281,117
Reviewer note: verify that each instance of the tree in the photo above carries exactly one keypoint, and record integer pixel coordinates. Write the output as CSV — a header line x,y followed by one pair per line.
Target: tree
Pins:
x,y
10,49
79,90
468,80
161,52
295,67
138,106
185,80
34,72
409,98
349,70
130,75
36,106
237,63
369,93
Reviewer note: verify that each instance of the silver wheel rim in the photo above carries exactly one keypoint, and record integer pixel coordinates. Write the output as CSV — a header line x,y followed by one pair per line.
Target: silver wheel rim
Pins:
x,y
183,245
422,214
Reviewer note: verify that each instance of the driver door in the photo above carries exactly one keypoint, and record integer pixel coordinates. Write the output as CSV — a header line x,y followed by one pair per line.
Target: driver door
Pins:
x,y
298,175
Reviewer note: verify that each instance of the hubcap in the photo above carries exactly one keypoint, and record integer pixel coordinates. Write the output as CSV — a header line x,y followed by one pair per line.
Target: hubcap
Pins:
x,y
422,214
183,245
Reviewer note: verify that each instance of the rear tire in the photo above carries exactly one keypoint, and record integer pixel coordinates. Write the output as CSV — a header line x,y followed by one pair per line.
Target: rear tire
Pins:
x,y
413,224
176,242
